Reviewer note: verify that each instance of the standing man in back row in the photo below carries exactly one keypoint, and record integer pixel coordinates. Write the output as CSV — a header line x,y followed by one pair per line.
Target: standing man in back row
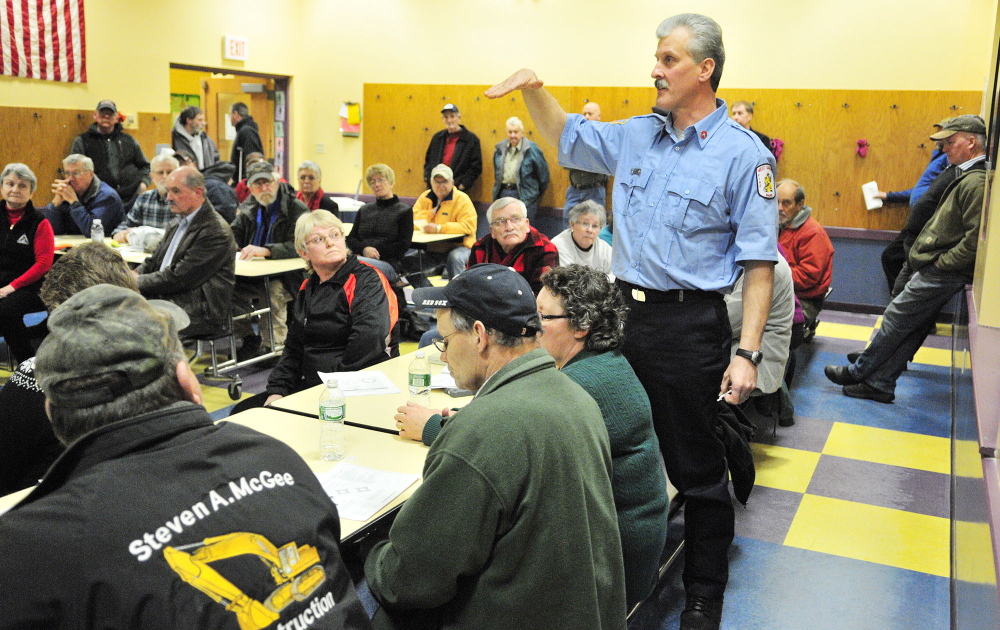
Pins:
x,y
117,156
694,204
457,148
247,137
584,185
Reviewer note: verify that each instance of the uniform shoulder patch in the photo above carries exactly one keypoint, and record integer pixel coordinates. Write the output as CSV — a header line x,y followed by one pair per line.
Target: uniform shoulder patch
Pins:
x,y
765,181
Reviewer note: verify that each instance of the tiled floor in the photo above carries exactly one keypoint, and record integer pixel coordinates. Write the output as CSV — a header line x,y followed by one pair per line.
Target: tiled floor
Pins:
x,y
848,525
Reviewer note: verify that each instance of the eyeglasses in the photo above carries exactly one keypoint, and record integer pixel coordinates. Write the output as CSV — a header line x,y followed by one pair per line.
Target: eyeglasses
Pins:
x,y
511,220
75,174
546,318
261,183
588,226
441,343
319,240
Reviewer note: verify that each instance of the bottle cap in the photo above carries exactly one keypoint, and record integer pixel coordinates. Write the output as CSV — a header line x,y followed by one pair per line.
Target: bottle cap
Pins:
x,y
420,354
332,383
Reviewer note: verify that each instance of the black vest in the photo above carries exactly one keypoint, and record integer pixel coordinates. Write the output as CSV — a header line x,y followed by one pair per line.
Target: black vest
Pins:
x,y
17,245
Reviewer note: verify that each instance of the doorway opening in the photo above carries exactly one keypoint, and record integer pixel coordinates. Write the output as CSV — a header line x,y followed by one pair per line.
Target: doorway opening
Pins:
x,y
215,90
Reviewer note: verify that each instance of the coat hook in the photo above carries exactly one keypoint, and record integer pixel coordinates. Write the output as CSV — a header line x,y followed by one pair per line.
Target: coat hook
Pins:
x,y
846,105
426,129
411,97
35,114
477,98
798,104
626,101
954,107
512,99
836,193
378,96
920,146
894,106
393,127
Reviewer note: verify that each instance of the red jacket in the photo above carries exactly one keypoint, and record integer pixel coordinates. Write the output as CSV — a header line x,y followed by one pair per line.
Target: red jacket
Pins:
x,y
810,255
531,259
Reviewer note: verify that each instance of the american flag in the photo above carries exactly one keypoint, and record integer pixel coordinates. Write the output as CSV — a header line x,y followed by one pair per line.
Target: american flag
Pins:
x,y
43,39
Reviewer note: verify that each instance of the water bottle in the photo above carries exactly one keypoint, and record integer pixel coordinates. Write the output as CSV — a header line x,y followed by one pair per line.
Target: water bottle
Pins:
x,y
97,231
332,411
420,380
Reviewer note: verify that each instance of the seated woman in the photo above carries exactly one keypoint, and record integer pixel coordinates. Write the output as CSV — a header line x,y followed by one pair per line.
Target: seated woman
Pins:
x,y
583,319
382,230
342,319
26,250
29,446
580,245
310,189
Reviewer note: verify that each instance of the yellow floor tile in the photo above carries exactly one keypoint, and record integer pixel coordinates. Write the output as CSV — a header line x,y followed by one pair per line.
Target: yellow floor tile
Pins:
x,y
971,563
215,398
906,540
783,468
844,331
884,446
933,356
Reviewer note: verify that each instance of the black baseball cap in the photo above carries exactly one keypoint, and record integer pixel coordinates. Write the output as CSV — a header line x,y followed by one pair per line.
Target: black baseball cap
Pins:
x,y
496,295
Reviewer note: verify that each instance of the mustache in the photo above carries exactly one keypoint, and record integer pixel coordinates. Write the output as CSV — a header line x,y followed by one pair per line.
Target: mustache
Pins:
x,y
661,84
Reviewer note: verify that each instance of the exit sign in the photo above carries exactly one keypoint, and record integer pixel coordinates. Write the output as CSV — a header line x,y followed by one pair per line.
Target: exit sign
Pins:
x,y
234,48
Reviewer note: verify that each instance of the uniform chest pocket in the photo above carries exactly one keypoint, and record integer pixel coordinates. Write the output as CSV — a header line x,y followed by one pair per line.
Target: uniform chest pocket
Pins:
x,y
635,191
688,204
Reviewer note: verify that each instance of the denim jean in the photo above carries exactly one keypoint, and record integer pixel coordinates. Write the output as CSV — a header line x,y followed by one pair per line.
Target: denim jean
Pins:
x,y
905,325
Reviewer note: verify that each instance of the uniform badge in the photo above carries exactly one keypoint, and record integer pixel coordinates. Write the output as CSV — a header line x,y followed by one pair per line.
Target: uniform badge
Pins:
x,y
765,181
704,134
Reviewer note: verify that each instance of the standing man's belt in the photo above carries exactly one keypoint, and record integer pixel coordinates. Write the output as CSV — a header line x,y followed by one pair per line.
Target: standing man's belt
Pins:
x,y
642,294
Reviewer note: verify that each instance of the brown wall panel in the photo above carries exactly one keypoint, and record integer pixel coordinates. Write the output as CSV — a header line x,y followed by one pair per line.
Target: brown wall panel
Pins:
x,y
819,132
41,138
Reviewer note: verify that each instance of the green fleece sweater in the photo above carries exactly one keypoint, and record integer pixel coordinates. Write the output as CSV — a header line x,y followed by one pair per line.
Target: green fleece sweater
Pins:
x,y
514,525
637,479
950,238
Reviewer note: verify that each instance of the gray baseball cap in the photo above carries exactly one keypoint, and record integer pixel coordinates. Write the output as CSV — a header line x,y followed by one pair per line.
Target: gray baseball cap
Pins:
x,y
260,170
969,123
114,337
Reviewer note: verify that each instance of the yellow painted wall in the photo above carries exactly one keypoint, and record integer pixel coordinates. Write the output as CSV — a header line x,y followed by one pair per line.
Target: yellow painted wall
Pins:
x,y
332,48
186,81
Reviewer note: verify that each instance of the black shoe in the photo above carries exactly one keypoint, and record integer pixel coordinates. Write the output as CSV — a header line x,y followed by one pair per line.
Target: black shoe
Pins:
x,y
839,375
701,613
853,356
867,392
250,348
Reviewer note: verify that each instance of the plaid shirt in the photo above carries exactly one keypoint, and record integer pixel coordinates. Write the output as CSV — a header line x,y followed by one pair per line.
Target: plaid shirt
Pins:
x,y
531,259
148,209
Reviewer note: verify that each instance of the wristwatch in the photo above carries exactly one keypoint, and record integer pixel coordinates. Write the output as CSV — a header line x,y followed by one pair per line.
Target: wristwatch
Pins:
x,y
753,356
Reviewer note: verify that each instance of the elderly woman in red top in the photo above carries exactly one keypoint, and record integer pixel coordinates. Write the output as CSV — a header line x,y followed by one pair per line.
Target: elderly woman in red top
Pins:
x,y
310,191
26,249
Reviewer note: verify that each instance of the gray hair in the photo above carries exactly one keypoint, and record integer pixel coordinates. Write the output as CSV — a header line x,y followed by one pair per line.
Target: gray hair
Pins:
x,y
82,160
194,179
70,425
516,122
21,171
980,140
241,109
159,158
705,42
589,207
746,105
307,222
380,169
502,203
310,166
464,323
593,303
800,192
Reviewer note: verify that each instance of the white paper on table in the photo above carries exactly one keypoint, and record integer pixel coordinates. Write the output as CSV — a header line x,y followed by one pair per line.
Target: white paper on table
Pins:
x,y
418,224
443,381
359,492
370,383
871,201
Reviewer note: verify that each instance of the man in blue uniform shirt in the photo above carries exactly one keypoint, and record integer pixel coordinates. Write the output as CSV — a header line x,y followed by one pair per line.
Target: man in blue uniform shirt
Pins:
x,y
694,204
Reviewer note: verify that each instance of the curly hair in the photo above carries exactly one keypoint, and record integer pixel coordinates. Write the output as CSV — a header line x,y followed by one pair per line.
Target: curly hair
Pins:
x,y
592,302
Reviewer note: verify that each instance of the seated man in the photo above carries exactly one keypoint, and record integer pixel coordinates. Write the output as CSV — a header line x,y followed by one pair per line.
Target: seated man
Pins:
x,y
808,249
770,400
445,210
151,207
194,265
81,198
514,525
940,264
512,242
265,228
126,529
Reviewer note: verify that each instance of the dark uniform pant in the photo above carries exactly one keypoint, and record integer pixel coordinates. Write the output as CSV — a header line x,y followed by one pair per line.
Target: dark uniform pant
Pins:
x,y
678,343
